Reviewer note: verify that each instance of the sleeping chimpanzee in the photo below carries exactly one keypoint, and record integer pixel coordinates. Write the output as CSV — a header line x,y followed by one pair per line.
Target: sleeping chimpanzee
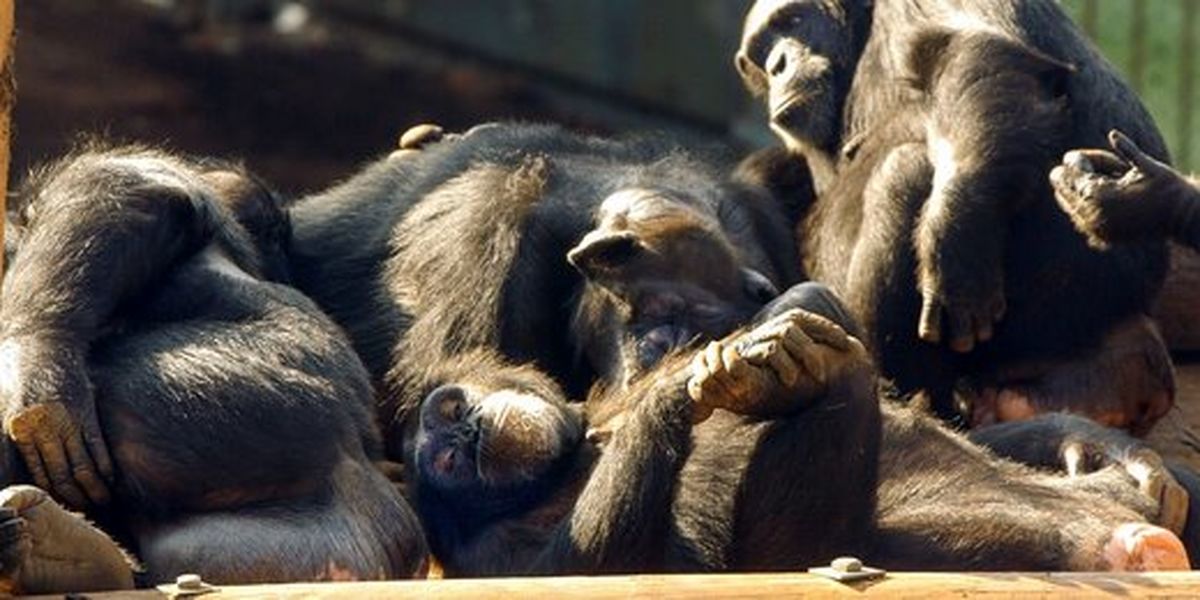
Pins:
x,y
508,482
156,377
464,244
510,478
928,127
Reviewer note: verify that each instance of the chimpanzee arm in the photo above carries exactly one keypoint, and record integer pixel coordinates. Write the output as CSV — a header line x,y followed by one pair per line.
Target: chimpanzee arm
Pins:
x,y
103,226
621,517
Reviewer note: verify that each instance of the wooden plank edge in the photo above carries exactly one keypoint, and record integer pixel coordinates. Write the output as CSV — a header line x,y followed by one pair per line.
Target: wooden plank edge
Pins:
x,y
925,586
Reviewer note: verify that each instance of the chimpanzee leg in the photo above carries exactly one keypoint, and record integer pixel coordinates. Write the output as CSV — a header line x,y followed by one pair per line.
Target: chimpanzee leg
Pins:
x,y
355,528
1077,445
941,499
885,303
244,443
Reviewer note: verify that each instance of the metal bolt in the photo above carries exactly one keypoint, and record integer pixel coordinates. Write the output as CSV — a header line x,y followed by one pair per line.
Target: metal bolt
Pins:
x,y
846,564
189,581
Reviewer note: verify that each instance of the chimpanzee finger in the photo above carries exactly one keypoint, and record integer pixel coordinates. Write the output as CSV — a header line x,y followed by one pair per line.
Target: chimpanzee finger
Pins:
x,y
1101,162
781,363
62,481
33,462
698,373
803,352
824,331
98,450
733,363
1064,190
1133,154
84,472
962,331
929,328
709,373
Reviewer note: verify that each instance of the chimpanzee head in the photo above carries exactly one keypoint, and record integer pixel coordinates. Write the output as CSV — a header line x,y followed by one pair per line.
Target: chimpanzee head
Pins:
x,y
800,57
668,263
493,440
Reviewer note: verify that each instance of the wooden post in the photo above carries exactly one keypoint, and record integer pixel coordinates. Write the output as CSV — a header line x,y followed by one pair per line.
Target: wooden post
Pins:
x,y
8,97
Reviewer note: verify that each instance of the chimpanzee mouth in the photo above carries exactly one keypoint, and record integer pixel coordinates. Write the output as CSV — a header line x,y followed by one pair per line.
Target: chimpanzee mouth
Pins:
x,y
660,341
782,109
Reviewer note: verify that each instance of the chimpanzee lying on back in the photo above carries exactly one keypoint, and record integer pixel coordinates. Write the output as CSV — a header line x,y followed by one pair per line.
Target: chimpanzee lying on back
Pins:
x,y
507,480
465,244
154,376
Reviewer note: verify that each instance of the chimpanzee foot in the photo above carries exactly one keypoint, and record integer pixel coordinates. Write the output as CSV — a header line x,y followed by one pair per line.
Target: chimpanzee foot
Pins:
x,y
774,368
1156,482
45,549
1146,468
1143,547
14,549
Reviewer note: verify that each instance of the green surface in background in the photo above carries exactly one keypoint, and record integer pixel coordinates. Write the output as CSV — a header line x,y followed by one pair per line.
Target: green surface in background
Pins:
x,y
1160,85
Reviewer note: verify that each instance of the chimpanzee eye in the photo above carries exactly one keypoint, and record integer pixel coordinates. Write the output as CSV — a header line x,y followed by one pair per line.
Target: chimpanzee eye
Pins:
x,y
707,311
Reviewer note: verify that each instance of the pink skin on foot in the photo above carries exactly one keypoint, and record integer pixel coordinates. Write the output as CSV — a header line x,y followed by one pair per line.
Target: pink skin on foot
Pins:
x,y
1145,547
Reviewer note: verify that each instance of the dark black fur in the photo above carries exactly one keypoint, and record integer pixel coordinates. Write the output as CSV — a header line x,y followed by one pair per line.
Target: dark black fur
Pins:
x,y
639,494
879,91
1044,443
237,416
659,495
464,245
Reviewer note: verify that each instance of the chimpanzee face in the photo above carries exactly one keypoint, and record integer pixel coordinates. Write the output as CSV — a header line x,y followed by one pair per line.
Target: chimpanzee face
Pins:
x,y
799,56
502,433
670,266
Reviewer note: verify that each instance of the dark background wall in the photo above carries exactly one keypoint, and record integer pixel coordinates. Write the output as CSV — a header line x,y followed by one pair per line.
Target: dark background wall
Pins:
x,y
306,91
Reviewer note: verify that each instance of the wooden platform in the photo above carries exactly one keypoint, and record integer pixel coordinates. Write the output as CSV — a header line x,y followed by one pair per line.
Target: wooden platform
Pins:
x,y
925,586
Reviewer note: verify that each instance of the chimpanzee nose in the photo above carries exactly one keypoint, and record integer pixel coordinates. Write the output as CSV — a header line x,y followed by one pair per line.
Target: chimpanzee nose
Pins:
x,y
445,405
777,60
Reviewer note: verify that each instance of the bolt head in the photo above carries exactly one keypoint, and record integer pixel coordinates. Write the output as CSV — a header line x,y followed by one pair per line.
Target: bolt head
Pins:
x,y
189,581
846,564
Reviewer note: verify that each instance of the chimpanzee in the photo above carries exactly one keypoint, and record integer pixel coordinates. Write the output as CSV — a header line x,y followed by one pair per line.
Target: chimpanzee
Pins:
x,y
156,376
928,127
511,479
464,244
1127,196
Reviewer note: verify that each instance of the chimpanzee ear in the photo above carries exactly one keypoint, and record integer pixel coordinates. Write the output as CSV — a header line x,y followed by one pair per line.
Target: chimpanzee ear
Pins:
x,y
924,55
602,251
783,174
757,286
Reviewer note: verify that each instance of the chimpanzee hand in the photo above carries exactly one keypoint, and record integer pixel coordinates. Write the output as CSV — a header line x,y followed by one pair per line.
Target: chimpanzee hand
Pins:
x,y
50,415
774,368
1127,196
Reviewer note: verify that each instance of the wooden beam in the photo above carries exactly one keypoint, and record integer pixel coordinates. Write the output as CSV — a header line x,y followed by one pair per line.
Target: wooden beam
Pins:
x,y
926,586
8,97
